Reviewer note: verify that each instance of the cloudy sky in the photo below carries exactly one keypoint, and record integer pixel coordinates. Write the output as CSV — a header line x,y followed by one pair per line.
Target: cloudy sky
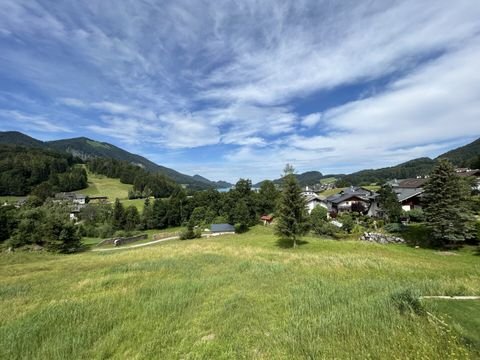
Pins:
x,y
231,89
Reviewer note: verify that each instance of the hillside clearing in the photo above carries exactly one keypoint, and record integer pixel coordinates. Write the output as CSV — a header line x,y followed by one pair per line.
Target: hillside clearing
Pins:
x,y
238,296
99,185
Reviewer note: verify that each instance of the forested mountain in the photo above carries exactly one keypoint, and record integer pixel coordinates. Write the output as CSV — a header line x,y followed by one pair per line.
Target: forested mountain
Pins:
x,y
465,156
218,184
41,171
304,179
409,169
17,138
85,149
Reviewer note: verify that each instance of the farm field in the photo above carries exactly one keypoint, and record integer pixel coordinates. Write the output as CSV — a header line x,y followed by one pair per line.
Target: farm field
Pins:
x,y
99,185
239,296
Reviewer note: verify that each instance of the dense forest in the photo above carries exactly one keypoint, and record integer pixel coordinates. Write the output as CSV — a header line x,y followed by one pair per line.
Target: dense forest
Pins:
x,y
38,171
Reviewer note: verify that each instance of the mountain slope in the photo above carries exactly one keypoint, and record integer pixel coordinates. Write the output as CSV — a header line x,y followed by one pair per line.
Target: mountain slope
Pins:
x,y
464,156
409,169
17,138
85,148
304,179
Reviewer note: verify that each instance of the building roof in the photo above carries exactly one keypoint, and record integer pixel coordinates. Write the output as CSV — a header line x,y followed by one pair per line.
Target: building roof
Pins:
x,y
338,198
222,228
352,192
266,218
318,198
468,172
407,193
411,183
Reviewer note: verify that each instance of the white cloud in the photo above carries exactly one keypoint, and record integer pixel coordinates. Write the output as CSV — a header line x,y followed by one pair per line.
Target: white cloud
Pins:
x,y
185,74
311,120
31,122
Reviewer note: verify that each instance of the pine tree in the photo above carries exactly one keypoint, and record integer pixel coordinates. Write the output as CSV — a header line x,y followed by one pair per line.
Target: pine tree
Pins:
x,y
389,204
446,205
118,216
292,215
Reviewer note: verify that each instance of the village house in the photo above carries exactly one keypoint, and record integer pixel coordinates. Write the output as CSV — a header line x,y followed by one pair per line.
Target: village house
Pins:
x,y
312,201
409,192
475,173
74,198
354,199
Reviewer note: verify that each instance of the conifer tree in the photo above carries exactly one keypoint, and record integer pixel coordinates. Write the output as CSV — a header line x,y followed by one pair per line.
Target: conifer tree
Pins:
x,y
389,203
118,216
292,215
446,206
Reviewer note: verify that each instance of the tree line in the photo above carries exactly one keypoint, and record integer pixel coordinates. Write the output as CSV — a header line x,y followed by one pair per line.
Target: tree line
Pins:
x,y
145,183
39,171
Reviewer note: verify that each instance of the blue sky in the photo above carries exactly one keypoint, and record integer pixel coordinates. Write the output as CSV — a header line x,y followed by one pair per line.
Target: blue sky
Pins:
x,y
230,89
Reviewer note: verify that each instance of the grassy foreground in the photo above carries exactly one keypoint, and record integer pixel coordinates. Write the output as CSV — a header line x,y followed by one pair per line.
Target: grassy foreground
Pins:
x,y
239,296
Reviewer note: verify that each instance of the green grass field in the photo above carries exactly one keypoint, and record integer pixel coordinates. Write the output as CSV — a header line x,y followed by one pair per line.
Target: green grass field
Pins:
x,y
10,199
238,296
99,185
138,203
328,180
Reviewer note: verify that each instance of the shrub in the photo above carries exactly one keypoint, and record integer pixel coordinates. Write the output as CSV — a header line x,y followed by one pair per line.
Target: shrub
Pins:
x,y
408,301
415,215
105,231
240,228
394,227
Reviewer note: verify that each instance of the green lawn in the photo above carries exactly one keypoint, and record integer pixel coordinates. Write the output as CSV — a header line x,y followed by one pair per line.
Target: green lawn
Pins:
x,y
331,192
138,203
328,180
10,199
238,296
464,315
99,185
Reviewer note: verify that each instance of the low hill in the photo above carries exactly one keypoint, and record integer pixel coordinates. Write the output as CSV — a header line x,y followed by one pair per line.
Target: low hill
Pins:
x,y
409,169
304,179
464,156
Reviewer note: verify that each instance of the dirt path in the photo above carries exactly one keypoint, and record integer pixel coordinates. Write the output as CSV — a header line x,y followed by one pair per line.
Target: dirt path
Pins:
x,y
451,297
138,245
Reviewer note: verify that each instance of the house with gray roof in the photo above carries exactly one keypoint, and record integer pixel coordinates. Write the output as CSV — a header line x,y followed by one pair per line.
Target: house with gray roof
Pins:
x,y
354,199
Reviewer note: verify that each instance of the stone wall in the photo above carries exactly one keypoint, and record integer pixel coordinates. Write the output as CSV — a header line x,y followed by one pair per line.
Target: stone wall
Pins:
x,y
123,240
381,238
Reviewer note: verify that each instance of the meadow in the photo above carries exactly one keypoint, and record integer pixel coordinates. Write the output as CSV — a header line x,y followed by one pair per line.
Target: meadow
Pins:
x,y
240,296
100,185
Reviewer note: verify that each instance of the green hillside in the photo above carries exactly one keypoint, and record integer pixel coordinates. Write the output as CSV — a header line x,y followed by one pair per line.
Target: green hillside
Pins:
x,y
465,156
99,185
85,148
236,297
17,138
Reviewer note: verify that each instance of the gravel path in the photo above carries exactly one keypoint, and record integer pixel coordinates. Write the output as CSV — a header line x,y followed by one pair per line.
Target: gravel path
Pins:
x,y
138,245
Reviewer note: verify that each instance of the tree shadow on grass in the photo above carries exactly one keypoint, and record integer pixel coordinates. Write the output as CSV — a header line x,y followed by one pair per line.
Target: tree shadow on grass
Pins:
x,y
288,244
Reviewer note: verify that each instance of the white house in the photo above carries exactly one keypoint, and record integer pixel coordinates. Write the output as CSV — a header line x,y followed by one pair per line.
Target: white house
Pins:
x,y
314,200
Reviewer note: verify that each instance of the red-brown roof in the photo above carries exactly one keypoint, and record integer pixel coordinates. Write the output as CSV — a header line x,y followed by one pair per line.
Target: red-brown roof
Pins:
x,y
266,218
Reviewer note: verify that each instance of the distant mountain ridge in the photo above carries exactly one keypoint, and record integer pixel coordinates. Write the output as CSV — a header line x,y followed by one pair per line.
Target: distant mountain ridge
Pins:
x,y
86,148
464,156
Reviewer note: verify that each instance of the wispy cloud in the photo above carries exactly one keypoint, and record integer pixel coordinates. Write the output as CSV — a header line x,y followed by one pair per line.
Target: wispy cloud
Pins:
x,y
186,75
31,122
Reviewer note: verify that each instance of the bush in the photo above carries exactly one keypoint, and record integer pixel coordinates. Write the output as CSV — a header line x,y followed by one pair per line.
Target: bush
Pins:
x,y
394,227
240,228
408,301
105,231
415,215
